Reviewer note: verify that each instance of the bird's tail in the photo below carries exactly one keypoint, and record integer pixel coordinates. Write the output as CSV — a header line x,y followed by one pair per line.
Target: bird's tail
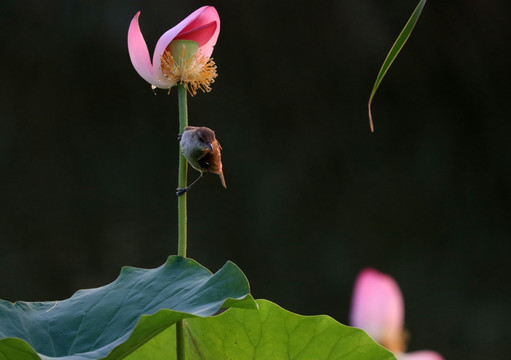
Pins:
x,y
222,179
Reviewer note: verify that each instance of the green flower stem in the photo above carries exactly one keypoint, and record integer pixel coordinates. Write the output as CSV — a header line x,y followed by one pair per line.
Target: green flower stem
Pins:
x,y
181,209
180,340
183,169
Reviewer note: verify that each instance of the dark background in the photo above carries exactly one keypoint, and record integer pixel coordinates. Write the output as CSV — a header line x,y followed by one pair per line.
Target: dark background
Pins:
x,y
88,156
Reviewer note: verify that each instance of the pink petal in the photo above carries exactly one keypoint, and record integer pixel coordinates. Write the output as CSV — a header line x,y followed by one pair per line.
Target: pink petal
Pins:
x,y
139,55
200,17
420,355
377,306
200,35
208,16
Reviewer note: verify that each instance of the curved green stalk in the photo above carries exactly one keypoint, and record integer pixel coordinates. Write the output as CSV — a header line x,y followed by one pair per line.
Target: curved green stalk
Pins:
x,y
396,48
181,209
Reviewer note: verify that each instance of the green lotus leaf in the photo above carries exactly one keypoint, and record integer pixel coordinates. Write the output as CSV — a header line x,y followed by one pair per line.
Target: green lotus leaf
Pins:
x,y
116,319
269,333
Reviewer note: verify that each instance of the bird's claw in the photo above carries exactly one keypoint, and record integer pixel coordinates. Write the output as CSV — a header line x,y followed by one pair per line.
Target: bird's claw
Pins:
x,y
181,191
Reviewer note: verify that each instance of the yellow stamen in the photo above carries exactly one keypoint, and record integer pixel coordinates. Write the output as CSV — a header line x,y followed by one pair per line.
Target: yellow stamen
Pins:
x,y
196,72
396,344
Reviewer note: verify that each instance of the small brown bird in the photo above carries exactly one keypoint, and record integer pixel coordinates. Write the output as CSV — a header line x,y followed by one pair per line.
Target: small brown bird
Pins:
x,y
202,150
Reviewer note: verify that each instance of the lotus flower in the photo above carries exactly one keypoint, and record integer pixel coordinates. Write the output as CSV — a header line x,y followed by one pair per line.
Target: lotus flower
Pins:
x,y
378,309
182,54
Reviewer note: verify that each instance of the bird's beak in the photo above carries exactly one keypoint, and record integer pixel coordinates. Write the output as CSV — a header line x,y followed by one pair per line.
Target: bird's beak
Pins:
x,y
210,147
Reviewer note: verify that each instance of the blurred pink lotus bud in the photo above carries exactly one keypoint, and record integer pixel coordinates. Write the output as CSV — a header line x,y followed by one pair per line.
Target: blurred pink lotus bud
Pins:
x,y
378,308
